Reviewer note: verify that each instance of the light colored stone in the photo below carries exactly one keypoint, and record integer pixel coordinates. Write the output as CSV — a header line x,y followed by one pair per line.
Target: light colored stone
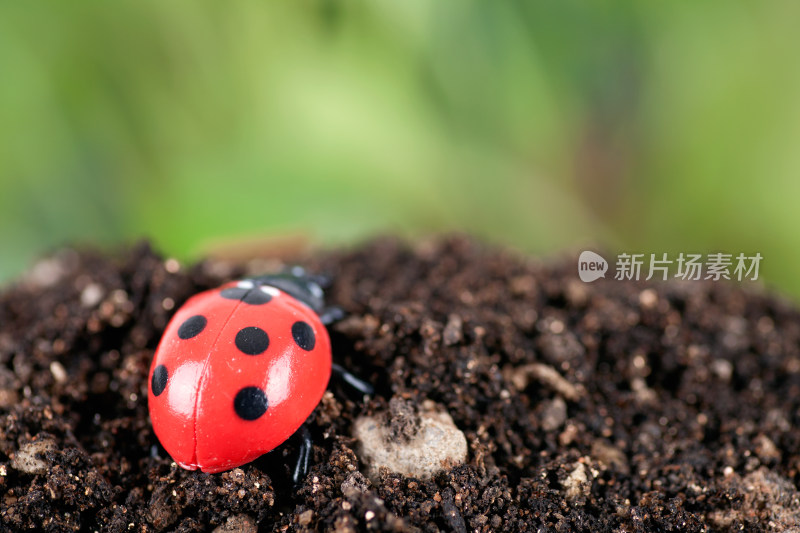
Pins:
x,y
59,372
453,330
92,294
648,298
30,457
610,456
578,484
434,444
554,414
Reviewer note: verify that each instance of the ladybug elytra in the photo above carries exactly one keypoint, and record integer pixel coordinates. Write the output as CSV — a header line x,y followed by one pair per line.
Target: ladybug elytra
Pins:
x,y
239,369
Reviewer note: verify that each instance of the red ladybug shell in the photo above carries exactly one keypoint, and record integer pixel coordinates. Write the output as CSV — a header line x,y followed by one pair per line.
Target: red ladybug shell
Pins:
x,y
237,372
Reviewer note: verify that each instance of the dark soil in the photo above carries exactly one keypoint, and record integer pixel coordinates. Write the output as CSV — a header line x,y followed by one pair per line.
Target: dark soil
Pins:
x,y
611,406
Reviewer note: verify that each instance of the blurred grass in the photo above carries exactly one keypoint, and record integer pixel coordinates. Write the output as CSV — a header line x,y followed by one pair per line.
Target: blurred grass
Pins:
x,y
551,125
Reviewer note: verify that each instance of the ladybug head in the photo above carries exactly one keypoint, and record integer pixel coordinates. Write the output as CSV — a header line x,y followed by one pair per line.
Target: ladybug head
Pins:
x,y
298,283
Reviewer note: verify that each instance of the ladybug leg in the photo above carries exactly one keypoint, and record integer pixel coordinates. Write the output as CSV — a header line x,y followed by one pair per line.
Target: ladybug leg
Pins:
x,y
356,383
303,456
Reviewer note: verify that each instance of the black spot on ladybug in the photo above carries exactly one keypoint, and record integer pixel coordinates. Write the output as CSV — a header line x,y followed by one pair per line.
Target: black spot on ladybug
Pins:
x,y
192,327
252,340
303,335
256,297
234,293
248,296
250,403
159,382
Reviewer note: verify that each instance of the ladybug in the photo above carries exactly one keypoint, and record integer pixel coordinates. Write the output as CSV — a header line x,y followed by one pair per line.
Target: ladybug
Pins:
x,y
240,368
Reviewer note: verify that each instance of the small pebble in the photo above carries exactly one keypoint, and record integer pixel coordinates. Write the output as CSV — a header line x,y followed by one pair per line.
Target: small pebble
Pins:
x,y
723,369
59,372
453,333
766,450
172,265
560,347
30,457
47,272
554,414
437,444
577,485
610,456
648,298
91,295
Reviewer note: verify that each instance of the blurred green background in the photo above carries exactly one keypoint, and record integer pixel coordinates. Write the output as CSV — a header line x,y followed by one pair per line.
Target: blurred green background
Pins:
x,y
658,127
